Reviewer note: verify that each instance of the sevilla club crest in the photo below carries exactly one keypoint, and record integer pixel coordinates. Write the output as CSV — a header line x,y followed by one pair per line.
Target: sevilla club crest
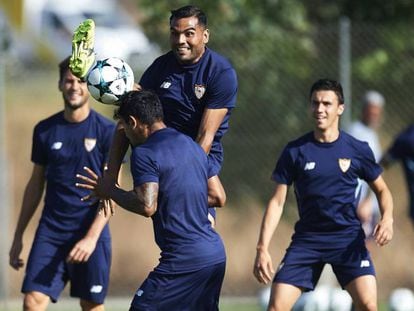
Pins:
x,y
199,90
89,144
344,164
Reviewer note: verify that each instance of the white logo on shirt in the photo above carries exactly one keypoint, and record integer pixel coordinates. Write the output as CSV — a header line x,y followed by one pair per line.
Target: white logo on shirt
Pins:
x,y
139,292
199,90
96,289
89,144
365,263
344,164
309,166
165,85
56,145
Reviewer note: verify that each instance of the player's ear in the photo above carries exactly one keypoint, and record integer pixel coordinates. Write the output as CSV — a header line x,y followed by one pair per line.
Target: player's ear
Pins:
x,y
341,109
206,35
60,85
132,121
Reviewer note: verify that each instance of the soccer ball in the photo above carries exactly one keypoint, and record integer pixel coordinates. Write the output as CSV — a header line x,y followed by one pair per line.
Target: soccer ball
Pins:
x,y
109,79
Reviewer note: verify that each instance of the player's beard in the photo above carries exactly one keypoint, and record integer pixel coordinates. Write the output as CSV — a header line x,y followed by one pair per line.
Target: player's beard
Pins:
x,y
74,105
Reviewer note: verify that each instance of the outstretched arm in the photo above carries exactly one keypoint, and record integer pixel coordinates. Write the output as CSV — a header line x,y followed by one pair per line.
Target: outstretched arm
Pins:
x,y
142,200
31,198
263,267
383,231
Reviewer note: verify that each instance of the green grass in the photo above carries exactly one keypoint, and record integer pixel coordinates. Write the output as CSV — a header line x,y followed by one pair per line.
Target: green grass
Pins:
x,y
122,304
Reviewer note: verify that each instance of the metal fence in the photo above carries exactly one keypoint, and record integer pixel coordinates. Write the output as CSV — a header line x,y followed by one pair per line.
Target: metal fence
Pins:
x,y
275,69
272,106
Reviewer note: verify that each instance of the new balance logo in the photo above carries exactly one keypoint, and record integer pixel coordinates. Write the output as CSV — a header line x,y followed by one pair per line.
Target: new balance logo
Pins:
x,y
96,289
56,145
309,166
365,264
165,85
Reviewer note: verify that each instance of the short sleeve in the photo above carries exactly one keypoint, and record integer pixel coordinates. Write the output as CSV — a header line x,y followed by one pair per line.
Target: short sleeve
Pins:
x,y
39,155
222,90
147,80
144,167
284,171
369,168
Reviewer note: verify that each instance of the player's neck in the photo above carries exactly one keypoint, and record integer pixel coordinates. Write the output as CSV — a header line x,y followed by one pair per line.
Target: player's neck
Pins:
x,y
326,136
76,115
156,127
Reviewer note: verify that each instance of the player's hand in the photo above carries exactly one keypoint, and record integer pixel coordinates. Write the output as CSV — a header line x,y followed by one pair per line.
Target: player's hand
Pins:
x,y
14,255
94,183
383,232
106,207
82,250
263,267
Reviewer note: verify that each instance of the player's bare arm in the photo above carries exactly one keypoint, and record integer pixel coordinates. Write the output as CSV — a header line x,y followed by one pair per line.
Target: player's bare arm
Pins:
x,y
212,118
210,122
142,200
263,268
383,231
31,198
84,248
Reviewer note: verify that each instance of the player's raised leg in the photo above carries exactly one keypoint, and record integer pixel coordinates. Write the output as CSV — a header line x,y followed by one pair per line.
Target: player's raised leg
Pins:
x,y
83,56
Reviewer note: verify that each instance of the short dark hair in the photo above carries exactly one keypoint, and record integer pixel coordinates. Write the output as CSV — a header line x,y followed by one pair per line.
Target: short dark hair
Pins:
x,y
143,105
189,11
63,67
328,85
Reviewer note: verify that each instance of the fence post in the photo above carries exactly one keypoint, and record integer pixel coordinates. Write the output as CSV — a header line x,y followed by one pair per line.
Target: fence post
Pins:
x,y
4,188
344,57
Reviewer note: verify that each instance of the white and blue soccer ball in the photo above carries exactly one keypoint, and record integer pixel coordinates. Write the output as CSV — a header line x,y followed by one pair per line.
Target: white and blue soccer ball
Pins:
x,y
109,79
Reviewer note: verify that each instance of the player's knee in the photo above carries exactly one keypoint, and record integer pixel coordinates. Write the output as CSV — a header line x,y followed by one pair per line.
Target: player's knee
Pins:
x,y
34,301
87,305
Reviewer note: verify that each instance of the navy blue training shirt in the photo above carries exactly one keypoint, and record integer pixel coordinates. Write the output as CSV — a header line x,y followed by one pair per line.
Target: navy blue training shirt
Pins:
x,y
186,91
181,226
64,148
325,178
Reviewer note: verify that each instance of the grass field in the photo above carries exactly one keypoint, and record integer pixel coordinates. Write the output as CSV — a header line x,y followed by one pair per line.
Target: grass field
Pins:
x,y
122,304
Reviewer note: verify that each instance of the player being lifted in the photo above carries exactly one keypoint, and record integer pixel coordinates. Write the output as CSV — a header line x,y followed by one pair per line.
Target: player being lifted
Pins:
x,y
324,165
197,88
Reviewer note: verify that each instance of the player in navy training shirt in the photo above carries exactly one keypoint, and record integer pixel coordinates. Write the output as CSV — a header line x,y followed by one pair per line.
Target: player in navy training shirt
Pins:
x,y
197,88
72,241
324,166
170,173
402,149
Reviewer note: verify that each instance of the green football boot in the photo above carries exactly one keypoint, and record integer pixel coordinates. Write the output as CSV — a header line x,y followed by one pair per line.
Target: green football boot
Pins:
x,y
83,55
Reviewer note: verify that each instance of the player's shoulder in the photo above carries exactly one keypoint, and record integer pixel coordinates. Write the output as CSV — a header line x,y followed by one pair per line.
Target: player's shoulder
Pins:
x,y
163,59
300,141
50,121
351,143
100,118
217,60
346,137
